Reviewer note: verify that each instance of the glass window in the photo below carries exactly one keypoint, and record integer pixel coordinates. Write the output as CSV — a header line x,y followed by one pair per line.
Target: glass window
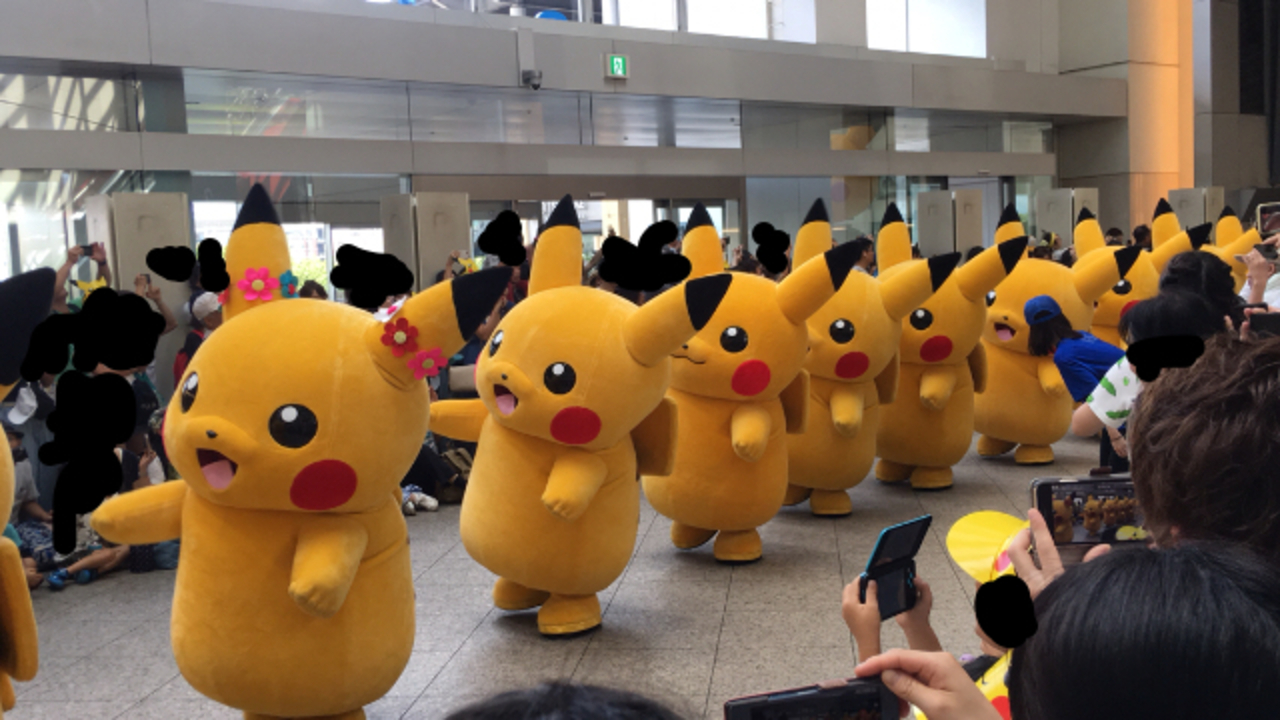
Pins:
x,y
648,14
644,121
464,114
887,25
934,27
733,18
52,102
811,127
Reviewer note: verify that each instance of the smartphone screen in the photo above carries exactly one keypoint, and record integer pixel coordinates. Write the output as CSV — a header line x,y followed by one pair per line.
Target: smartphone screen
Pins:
x,y
856,700
1265,323
1088,512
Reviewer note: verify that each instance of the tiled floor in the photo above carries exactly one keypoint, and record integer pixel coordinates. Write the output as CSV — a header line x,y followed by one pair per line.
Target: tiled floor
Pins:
x,y
678,626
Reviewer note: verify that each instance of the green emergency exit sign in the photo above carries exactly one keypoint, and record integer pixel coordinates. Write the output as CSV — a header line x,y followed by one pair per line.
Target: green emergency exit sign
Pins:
x,y
617,67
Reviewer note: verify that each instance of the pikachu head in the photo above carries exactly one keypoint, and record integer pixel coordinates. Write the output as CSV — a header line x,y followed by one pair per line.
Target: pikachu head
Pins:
x,y
579,366
310,405
855,335
24,302
1164,224
1229,252
756,342
1228,227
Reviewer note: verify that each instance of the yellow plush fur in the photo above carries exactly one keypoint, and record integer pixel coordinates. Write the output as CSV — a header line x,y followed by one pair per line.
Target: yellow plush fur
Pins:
x,y
739,386
292,429
853,368
571,404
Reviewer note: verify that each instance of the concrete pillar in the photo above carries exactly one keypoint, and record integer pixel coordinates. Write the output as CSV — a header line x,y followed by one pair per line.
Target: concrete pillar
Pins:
x,y
444,225
840,22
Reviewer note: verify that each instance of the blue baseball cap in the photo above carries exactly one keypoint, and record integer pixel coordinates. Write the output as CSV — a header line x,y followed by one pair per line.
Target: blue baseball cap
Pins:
x,y
1041,309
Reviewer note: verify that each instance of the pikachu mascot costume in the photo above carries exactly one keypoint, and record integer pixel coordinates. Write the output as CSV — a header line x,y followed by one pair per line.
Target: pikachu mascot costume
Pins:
x,y
24,303
853,368
1141,282
929,427
1231,241
571,408
1026,403
739,386
292,430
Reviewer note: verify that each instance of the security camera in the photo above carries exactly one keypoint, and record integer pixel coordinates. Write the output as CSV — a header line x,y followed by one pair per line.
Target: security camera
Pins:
x,y
531,79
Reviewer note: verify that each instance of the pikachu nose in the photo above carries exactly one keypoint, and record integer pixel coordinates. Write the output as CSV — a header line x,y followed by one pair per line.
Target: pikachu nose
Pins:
x,y
685,347
211,434
504,376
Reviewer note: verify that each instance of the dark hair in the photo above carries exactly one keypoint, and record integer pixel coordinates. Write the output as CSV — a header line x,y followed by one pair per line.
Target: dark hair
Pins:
x,y
1142,235
193,282
1203,443
1206,275
1045,336
863,244
915,252
973,252
1179,634
565,701
313,288
1175,312
747,264
1114,232
1041,252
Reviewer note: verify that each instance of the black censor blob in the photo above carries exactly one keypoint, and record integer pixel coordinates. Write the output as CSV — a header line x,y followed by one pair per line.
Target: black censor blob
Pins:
x,y
213,269
119,331
370,278
644,267
1152,355
772,245
1005,611
504,237
173,263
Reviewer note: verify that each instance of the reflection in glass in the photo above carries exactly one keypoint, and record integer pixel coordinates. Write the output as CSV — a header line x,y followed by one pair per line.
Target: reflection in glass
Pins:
x,y
648,121
52,102
465,114
812,127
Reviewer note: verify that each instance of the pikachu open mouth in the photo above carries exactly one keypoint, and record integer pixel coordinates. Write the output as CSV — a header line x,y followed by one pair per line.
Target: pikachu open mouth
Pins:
x,y
218,469
505,399
1004,332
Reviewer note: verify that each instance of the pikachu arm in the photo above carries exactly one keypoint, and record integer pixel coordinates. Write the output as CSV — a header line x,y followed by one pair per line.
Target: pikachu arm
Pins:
x,y
458,419
142,517
887,381
576,477
795,403
1050,378
937,382
978,367
847,403
8,699
20,652
325,562
749,430
655,440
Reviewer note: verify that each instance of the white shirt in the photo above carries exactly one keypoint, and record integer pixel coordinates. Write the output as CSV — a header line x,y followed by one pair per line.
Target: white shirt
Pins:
x,y
1270,295
1112,400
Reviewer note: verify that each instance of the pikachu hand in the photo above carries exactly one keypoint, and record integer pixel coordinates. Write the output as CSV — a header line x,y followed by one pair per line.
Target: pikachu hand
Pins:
x,y
317,599
934,400
750,449
575,479
749,432
567,506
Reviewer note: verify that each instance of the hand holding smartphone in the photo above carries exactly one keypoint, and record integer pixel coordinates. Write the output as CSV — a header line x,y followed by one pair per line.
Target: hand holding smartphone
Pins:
x,y
1085,512
856,699
893,566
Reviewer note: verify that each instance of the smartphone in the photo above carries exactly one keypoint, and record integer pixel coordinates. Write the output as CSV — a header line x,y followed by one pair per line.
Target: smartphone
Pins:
x,y
1259,306
148,277
1083,512
852,699
1264,323
86,251
893,566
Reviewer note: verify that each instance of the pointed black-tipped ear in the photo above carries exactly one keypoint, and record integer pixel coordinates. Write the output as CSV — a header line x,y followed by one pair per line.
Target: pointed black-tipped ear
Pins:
x,y
564,214
1200,235
1011,252
698,218
1126,257
1227,212
475,294
940,268
703,295
817,213
24,303
840,261
891,215
257,208
1085,214
1009,215
1162,207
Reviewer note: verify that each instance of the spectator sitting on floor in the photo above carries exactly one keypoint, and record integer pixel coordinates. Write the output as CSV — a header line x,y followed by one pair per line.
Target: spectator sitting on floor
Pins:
x,y
32,524
206,316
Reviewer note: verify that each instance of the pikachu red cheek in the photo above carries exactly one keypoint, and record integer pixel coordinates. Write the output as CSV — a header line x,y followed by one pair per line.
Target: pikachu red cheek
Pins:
x,y
575,426
323,485
1128,306
751,378
936,349
852,365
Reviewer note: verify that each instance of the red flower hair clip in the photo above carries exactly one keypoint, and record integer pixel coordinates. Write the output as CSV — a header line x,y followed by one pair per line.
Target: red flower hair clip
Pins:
x,y
427,363
400,336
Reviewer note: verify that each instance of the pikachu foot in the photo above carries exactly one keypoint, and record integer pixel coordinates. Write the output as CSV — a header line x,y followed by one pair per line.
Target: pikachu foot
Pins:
x,y
1033,455
563,615
991,447
795,495
830,503
687,537
350,715
927,478
509,595
7,697
888,471
738,546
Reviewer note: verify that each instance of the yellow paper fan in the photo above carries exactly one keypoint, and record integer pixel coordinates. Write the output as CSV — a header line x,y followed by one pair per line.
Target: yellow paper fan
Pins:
x,y
978,541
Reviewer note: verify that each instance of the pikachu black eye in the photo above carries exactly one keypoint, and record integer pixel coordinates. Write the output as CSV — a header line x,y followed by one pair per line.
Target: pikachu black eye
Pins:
x,y
293,425
189,389
1122,288
734,339
991,298
495,343
841,331
921,319
560,378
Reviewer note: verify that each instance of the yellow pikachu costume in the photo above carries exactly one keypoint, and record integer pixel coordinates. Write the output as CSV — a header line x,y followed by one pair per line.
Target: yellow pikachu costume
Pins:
x,y
571,408
929,427
1141,282
853,368
24,302
1164,224
1231,241
292,430
739,386
1228,227
1026,403
1227,253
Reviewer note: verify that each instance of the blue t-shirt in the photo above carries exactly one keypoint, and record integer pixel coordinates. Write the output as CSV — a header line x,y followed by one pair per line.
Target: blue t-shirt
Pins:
x,y
1083,362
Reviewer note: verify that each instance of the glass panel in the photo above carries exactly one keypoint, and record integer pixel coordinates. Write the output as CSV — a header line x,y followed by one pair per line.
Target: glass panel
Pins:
x,y
458,114
944,27
925,131
643,121
812,127
52,102
1025,189
733,18
1028,137
649,14
887,25
260,104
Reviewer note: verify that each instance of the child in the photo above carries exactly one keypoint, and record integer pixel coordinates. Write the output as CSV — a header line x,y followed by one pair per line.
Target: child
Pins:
x,y
863,619
30,521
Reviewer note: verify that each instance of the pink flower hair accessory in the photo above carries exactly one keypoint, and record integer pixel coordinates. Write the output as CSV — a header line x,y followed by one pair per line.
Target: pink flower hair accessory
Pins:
x,y
427,363
257,284
400,336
